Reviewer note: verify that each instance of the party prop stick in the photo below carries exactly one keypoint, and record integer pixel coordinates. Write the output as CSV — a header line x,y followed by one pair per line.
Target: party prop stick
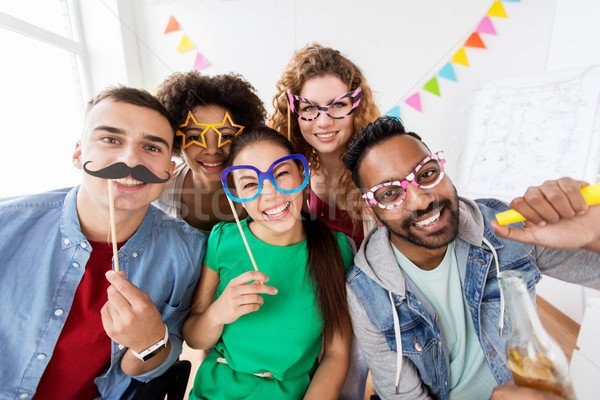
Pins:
x,y
113,229
237,221
591,194
288,119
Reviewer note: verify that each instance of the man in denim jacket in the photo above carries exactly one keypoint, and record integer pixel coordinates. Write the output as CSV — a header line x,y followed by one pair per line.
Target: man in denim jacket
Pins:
x,y
423,295
70,327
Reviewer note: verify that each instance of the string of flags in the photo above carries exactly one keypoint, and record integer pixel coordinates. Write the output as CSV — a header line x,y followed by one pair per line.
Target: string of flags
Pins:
x,y
474,40
186,44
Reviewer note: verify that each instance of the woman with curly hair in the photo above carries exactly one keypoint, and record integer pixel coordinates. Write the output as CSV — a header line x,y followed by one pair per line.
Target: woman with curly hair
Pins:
x,y
210,112
320,80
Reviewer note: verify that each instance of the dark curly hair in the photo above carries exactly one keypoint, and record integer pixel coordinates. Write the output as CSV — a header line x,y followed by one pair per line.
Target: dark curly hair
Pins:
x,y
182,92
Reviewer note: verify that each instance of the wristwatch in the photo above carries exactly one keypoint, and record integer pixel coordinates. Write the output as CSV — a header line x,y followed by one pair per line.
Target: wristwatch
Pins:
x,y
153,350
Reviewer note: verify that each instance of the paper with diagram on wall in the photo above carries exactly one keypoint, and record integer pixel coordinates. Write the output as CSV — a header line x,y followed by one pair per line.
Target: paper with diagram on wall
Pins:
x,y
527,130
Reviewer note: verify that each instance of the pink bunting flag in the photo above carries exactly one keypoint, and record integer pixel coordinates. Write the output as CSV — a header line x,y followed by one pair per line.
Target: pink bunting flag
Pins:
x,y
414,101
486,26
201,62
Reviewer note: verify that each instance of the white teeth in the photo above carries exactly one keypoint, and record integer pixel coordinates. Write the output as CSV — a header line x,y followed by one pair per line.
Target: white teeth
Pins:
x,y
129,181
212,164
275,212
428,221
327,135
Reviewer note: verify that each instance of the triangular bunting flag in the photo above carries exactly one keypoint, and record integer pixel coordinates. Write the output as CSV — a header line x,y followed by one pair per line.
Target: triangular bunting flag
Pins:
x,y
185,44
448,72
497,10
461,57
200,63
172,26
485,26
432,86
475,41
414,101
394,112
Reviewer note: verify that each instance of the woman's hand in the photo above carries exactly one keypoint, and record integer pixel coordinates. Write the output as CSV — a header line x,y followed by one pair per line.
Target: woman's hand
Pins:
x,y
241,297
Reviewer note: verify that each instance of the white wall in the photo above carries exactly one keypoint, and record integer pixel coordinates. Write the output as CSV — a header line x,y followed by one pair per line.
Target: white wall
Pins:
x,y
398,44
573,44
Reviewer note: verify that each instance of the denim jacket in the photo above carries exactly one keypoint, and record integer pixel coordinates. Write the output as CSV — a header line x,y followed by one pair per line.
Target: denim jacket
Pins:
x,y
425,362
44,254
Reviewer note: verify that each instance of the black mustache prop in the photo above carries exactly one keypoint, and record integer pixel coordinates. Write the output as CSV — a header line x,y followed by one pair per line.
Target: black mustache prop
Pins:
x,y
121,170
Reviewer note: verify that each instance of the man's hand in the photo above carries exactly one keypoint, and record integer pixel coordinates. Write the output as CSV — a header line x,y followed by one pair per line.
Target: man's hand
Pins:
x,y
509,391
557,216
130,318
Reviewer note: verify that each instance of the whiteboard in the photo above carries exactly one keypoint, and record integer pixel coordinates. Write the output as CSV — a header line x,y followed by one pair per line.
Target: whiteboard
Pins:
x,y
530,129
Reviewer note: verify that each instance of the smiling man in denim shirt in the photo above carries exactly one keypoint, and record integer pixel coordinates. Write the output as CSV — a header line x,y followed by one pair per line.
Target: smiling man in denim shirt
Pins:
x,y
70,327
424,295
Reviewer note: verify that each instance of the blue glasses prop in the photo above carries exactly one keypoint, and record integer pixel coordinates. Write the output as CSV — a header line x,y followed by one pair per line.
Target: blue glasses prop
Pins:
x,y
246,181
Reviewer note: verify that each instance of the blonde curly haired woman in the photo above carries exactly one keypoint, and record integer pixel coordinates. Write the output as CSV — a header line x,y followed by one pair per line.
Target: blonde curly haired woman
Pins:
x,y
320,80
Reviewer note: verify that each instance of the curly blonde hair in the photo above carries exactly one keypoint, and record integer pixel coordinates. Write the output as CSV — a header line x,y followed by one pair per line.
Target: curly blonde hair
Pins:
x,y
311,61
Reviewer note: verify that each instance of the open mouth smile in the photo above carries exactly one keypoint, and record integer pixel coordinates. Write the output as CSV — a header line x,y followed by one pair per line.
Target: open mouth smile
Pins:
x,y
277,212
429,221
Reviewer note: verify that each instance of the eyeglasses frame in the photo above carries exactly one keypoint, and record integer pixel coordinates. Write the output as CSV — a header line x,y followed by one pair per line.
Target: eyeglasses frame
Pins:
x,y
266,175
369,195
355,95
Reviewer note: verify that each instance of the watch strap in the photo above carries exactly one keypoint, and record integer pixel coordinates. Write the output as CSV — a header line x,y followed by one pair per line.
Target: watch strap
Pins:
x,y
153,350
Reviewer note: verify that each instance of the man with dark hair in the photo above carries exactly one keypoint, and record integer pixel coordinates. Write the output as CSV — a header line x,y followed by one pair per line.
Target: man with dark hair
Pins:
x,y
71,327
424,294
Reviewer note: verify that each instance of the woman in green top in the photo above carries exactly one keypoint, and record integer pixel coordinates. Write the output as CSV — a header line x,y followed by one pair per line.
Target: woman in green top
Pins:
x,y
268,327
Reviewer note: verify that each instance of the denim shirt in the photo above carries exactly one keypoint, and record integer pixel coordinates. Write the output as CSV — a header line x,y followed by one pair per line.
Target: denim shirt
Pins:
x,y
44,255
422,340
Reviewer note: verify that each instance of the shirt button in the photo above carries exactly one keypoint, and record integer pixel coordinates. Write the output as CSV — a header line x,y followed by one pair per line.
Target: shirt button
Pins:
x,y
58,312
41,356
135,255
75,265
65,241
24,395
418,346
84,245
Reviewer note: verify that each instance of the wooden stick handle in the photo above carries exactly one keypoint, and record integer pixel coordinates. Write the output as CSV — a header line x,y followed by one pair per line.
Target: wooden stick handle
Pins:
x,y
113,229
237,221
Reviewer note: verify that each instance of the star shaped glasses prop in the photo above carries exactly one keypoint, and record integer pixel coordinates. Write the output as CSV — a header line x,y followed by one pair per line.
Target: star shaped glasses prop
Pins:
x,y
225,132
338,108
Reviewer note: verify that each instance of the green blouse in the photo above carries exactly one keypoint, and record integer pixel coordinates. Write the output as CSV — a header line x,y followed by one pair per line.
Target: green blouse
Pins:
x,y
283,337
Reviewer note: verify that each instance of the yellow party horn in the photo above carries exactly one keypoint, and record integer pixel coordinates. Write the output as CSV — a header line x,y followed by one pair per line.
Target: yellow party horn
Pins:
x,y
591,194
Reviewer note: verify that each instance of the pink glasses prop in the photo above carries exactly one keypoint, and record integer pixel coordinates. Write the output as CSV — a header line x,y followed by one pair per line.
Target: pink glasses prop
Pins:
x,y
338,108
426,175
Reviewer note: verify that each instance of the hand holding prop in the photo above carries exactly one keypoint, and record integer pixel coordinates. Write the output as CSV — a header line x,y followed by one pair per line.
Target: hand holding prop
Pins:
x,y
591,194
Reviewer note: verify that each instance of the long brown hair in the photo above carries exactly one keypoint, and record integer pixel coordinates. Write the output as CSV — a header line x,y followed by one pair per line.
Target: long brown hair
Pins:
x,y
311,61
325,263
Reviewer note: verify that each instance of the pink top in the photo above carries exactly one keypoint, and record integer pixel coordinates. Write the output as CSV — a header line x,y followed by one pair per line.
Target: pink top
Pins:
x,y
337,220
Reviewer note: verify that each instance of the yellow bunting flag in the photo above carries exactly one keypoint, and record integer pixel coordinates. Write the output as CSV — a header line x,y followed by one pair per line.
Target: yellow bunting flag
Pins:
x,y
172,25
497,10
185,44
461,57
